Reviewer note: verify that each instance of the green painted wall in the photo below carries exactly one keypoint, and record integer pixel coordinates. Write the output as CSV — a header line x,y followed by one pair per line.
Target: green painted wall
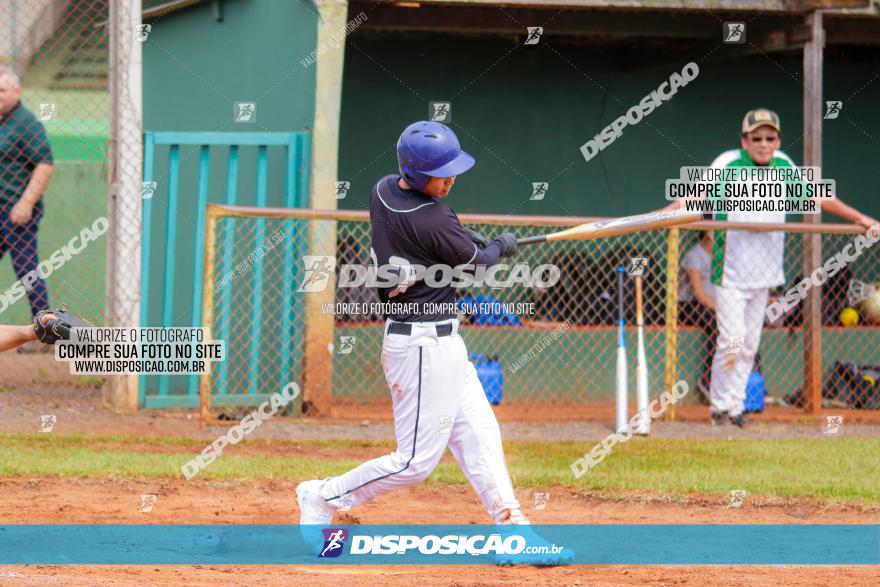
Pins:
x,y
195,69
523,112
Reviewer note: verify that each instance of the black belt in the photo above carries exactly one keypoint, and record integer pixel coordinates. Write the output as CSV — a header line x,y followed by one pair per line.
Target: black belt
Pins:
x,y
405,328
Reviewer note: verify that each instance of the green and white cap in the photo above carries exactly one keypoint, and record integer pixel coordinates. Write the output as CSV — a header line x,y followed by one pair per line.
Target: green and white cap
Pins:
x,y
758,118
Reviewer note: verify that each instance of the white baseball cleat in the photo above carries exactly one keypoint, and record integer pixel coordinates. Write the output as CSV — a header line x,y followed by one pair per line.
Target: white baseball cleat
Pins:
x,y
541,552
508,517
313,509
314,513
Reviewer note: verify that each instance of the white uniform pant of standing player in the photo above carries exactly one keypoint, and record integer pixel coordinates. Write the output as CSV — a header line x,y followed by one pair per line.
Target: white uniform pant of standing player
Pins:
x,y
740,317
437,401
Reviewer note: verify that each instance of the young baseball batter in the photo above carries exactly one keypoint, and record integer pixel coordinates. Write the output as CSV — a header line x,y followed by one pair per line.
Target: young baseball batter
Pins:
x,y
436,397
745,265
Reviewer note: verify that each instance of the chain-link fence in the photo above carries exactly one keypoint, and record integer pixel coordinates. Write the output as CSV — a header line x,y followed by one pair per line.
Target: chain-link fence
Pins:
x,y
53,155
70,136
544,352
849,333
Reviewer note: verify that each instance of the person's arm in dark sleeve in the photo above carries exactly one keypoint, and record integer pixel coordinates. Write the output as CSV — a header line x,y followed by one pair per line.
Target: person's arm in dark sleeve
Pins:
x,y
448,240
35,144
35,147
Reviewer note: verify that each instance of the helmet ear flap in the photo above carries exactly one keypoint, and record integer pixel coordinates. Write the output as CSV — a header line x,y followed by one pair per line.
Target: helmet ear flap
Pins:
x,y
414,181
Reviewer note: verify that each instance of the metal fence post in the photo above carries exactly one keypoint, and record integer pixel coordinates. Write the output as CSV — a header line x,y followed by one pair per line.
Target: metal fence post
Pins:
x,y
208,308
319,327
124,211
671,351
812,385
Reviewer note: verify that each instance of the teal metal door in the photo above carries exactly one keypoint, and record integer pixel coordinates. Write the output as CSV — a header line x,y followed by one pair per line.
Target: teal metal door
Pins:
x,y
183,172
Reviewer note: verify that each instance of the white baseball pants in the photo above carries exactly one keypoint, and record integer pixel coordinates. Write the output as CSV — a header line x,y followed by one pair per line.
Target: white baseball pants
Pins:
x,y
437,401
740,317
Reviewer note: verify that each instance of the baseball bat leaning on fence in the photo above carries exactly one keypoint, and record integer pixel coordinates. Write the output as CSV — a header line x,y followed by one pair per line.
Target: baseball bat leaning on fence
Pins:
x,y
617,226
621,397
644,426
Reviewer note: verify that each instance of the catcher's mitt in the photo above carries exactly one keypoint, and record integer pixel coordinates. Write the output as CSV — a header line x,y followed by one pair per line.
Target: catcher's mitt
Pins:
x,y
58,327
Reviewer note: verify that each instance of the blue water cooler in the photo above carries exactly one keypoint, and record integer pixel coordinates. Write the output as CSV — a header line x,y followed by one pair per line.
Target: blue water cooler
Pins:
x,y
491,375
755,391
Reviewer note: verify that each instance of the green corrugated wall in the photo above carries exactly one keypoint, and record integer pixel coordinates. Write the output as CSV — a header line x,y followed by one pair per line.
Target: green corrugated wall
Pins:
x,y
195,69
525,117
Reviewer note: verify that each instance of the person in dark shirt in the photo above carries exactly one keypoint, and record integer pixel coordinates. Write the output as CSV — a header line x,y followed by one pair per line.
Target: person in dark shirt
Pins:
x,y
437,399
410,228
25,169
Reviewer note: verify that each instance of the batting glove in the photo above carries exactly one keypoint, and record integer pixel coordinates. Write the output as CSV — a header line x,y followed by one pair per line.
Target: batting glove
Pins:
x,y
508,244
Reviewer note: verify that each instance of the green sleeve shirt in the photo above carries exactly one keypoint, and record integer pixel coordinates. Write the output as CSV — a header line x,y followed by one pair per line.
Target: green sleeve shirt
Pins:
x,y
23,146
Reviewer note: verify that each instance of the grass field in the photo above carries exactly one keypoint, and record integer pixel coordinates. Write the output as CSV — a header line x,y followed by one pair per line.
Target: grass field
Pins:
x,y
78,477
833,470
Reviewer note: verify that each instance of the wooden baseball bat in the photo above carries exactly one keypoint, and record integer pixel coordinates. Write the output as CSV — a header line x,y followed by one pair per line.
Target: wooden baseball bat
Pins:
x,y
617,226
621,394
644,425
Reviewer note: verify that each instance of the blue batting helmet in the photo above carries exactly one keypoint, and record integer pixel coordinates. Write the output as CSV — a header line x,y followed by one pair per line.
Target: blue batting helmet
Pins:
x,y
430,149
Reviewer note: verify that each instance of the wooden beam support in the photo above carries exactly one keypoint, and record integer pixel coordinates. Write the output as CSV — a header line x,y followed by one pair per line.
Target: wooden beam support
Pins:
x,y
809,5
514,20
841,30
772,32
812,253
763,6
318,326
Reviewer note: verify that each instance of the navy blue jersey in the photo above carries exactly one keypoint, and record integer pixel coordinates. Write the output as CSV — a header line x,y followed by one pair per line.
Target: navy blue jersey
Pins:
x,y
408,227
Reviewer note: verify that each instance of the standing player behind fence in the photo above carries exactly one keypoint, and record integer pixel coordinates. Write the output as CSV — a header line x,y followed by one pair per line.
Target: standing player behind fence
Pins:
x,y
436,397
745,265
